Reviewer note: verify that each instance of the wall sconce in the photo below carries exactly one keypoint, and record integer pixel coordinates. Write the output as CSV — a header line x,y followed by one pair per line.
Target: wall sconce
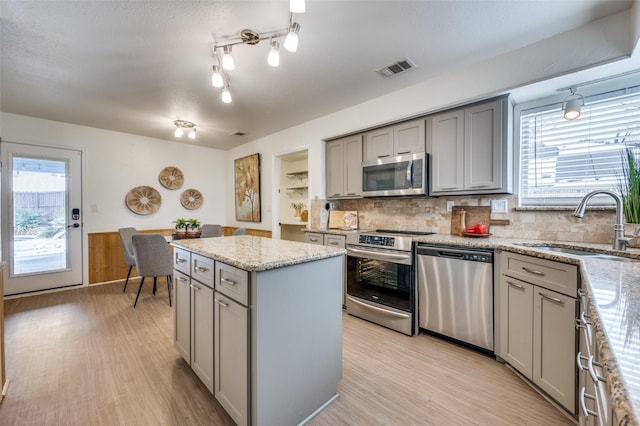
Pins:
x,y
181,125
220,78
573,105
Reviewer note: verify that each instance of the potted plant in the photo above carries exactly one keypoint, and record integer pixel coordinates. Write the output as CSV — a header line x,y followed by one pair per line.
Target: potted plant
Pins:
x,y
629,186
181,228
192,228
297,207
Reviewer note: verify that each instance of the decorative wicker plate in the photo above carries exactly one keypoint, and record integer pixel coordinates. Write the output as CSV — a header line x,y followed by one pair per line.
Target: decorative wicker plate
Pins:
x,y
171,177
143,200
191,199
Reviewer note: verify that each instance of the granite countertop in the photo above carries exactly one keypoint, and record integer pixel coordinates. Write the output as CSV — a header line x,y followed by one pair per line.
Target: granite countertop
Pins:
x,y
613,297
257,253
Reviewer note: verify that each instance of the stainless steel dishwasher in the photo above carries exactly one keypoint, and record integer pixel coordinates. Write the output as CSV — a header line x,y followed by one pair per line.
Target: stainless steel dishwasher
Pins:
x,y
455,293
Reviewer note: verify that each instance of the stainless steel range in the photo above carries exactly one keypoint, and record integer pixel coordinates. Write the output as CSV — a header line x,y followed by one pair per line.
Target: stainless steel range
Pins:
x,y
381,278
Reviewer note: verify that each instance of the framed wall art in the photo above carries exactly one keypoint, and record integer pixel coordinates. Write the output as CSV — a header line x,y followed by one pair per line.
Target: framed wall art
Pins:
x,y
247,188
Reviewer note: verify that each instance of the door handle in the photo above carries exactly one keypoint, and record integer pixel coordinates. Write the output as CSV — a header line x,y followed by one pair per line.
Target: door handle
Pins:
x,y
75,225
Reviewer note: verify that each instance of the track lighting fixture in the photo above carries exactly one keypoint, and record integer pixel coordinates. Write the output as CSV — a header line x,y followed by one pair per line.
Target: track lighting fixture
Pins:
x,y
572,105
181,125
222,48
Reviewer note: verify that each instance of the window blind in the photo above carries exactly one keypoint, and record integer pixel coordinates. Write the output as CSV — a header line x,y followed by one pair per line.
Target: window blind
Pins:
x,y
562,160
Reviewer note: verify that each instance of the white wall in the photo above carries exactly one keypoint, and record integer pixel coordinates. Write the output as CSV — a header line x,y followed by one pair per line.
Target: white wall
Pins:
x,y
116,162
602,42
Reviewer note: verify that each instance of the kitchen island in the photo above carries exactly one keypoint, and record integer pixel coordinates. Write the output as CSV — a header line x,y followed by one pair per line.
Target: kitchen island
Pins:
x,y
260,322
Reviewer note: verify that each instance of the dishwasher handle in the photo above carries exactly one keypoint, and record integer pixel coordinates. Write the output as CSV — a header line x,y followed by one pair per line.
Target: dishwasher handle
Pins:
x,y
455,253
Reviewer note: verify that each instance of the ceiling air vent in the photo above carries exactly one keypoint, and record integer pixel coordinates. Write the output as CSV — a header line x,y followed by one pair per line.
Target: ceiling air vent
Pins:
x,y
396,68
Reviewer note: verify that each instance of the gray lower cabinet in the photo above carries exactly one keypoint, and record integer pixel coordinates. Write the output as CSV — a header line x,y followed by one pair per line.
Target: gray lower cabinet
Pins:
x,y
231,342
193,315
339,241
536,323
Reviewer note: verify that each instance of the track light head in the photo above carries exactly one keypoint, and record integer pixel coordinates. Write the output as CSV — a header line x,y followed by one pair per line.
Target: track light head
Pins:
x,y
573,105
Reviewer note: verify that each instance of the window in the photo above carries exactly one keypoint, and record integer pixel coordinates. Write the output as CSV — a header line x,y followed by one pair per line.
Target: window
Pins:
x,y
561,160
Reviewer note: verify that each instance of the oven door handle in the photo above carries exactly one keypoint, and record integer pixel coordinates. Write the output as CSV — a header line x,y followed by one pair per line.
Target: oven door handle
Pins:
x,y
379,255
375,308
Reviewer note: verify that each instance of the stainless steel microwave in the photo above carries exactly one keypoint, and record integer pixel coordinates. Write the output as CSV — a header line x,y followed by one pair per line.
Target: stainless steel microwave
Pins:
x,y
404,175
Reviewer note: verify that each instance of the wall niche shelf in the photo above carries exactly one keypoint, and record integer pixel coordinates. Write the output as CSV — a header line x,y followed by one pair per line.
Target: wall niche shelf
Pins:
x,y
301,175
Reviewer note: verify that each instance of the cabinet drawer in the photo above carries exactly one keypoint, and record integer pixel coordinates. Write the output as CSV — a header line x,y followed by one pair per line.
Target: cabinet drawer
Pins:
x,y
313,238
232,282
338,241
556,276
181,260
202,269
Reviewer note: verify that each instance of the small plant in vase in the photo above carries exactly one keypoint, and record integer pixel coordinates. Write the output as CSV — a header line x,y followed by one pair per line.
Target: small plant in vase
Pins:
x,y
192,228
629,187
181,228
297,207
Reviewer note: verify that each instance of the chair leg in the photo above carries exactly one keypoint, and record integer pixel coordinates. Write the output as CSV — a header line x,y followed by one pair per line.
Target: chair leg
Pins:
x,y
127,280
169,287
138,295
155,286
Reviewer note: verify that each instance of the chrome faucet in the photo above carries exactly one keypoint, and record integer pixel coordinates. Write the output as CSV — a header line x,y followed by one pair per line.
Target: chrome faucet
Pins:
x,y
619,240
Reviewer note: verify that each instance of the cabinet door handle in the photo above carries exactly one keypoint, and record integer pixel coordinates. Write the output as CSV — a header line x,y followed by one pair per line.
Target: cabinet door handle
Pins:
x,y
403,152
335,195
518,286
226,281
553,299
533,271
313,240
351,193
178,260
478,186
448,187
583,404
592,371
383,156
201,269
195,287
180,279
224,305
579,359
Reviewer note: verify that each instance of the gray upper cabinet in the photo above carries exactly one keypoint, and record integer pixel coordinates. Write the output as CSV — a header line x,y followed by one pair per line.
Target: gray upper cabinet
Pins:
x,y
344,167
470,151
401,139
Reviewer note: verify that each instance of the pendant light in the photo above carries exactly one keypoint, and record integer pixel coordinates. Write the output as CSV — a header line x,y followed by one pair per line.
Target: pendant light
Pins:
x,y
216,77
274,54
291,41
226,95
181,125
296,6
227,59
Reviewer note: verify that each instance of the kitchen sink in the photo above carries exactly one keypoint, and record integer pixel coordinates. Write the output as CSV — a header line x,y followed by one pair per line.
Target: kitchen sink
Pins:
x,y
578,252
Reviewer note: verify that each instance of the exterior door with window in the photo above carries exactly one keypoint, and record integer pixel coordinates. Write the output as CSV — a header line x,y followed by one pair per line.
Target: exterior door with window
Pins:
x,y
41,217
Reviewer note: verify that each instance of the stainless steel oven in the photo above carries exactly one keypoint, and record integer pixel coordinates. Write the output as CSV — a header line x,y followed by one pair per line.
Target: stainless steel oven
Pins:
x,y
381,279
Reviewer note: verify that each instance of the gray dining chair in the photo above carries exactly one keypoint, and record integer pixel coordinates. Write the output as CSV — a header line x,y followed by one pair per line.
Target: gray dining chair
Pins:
x,y
210,231
240,231
153,259
127,250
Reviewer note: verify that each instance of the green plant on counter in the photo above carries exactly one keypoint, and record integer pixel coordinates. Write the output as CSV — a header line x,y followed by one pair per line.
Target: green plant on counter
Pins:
x,y
193,224
181,223
629,184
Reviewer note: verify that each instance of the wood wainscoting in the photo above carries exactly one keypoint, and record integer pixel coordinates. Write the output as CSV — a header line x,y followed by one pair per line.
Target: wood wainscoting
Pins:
x,y
106,262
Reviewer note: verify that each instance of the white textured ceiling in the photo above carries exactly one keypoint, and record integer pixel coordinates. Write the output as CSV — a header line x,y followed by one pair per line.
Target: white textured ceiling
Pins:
x,y
135,66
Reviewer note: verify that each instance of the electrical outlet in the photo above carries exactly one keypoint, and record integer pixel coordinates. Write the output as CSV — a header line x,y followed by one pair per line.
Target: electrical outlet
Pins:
x,y
449,205
499,206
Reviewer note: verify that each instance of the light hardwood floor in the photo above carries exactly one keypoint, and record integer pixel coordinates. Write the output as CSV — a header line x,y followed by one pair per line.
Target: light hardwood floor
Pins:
x,y
85,356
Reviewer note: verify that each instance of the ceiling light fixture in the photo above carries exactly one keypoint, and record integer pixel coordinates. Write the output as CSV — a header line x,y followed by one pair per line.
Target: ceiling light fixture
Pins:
x,y
181,125
222,48
572,105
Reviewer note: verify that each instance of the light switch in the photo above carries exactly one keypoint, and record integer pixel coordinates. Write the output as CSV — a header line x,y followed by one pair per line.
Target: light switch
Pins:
x,y
450,205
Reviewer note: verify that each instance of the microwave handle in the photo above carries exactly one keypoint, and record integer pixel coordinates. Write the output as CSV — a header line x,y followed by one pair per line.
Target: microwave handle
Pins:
x,y
410,173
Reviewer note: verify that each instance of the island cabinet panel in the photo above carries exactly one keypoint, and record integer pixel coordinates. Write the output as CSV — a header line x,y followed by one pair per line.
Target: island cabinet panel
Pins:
x,y
182,261
202,269
233,282
517,312
231,357
296,343
182,315
202,351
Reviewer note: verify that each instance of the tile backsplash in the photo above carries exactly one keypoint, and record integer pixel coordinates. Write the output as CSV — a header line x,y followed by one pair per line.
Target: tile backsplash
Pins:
x,y
430,214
